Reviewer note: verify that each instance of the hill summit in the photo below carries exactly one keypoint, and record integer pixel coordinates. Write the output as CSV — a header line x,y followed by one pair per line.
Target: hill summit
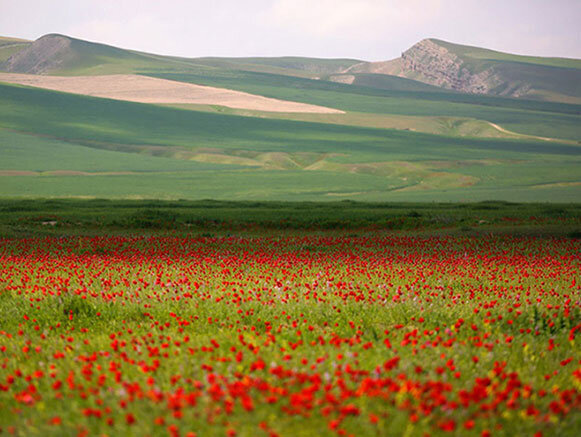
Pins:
x,y
47,53
435,64
431,61
61,54
481,71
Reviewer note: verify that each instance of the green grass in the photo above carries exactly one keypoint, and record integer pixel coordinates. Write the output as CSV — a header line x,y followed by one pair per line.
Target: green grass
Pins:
x,y
474,53
113,124
287,65
393,83
547,119
84,57
449,126
460,246
110,334
370,93
7,40
73,216
550,78
174,153
22,152
399,140
9,46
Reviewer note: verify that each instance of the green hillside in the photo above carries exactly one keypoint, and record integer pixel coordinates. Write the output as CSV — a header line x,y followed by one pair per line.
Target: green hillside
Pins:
x,y
471,53
479,70
392,83
548,79
314,65
104,148
287,65
545,119
399,139
9,46
79,57
63,55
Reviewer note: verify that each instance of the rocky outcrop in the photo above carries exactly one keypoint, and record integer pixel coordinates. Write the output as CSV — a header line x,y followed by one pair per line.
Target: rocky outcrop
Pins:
x,y
431,63
47,53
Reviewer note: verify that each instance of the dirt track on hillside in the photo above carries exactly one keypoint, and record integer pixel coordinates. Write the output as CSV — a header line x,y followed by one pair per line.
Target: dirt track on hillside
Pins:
x,y
145,89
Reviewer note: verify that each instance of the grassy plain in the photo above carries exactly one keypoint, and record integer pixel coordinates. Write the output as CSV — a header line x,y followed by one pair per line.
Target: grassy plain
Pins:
x,y
35,217
173,153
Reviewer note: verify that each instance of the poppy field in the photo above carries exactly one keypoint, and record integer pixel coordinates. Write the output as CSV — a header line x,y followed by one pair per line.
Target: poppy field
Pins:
x,y
287,335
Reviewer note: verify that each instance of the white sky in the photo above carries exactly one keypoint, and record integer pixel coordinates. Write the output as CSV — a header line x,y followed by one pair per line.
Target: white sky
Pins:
x,y
362,29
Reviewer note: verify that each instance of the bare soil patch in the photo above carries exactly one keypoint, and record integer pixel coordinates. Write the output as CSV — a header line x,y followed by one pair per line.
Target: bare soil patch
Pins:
x,y
145,89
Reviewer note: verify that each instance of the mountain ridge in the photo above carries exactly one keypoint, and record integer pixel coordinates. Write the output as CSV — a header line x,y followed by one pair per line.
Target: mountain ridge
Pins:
x,y
462,68
476,70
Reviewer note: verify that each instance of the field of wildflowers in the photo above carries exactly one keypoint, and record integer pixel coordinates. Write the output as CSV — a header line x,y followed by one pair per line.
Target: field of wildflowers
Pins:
x,y
280,335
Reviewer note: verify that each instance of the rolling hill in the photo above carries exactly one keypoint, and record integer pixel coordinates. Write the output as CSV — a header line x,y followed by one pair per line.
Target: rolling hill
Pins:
x,y
63,55
107,148
10,46
431,61
482,71
390,138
